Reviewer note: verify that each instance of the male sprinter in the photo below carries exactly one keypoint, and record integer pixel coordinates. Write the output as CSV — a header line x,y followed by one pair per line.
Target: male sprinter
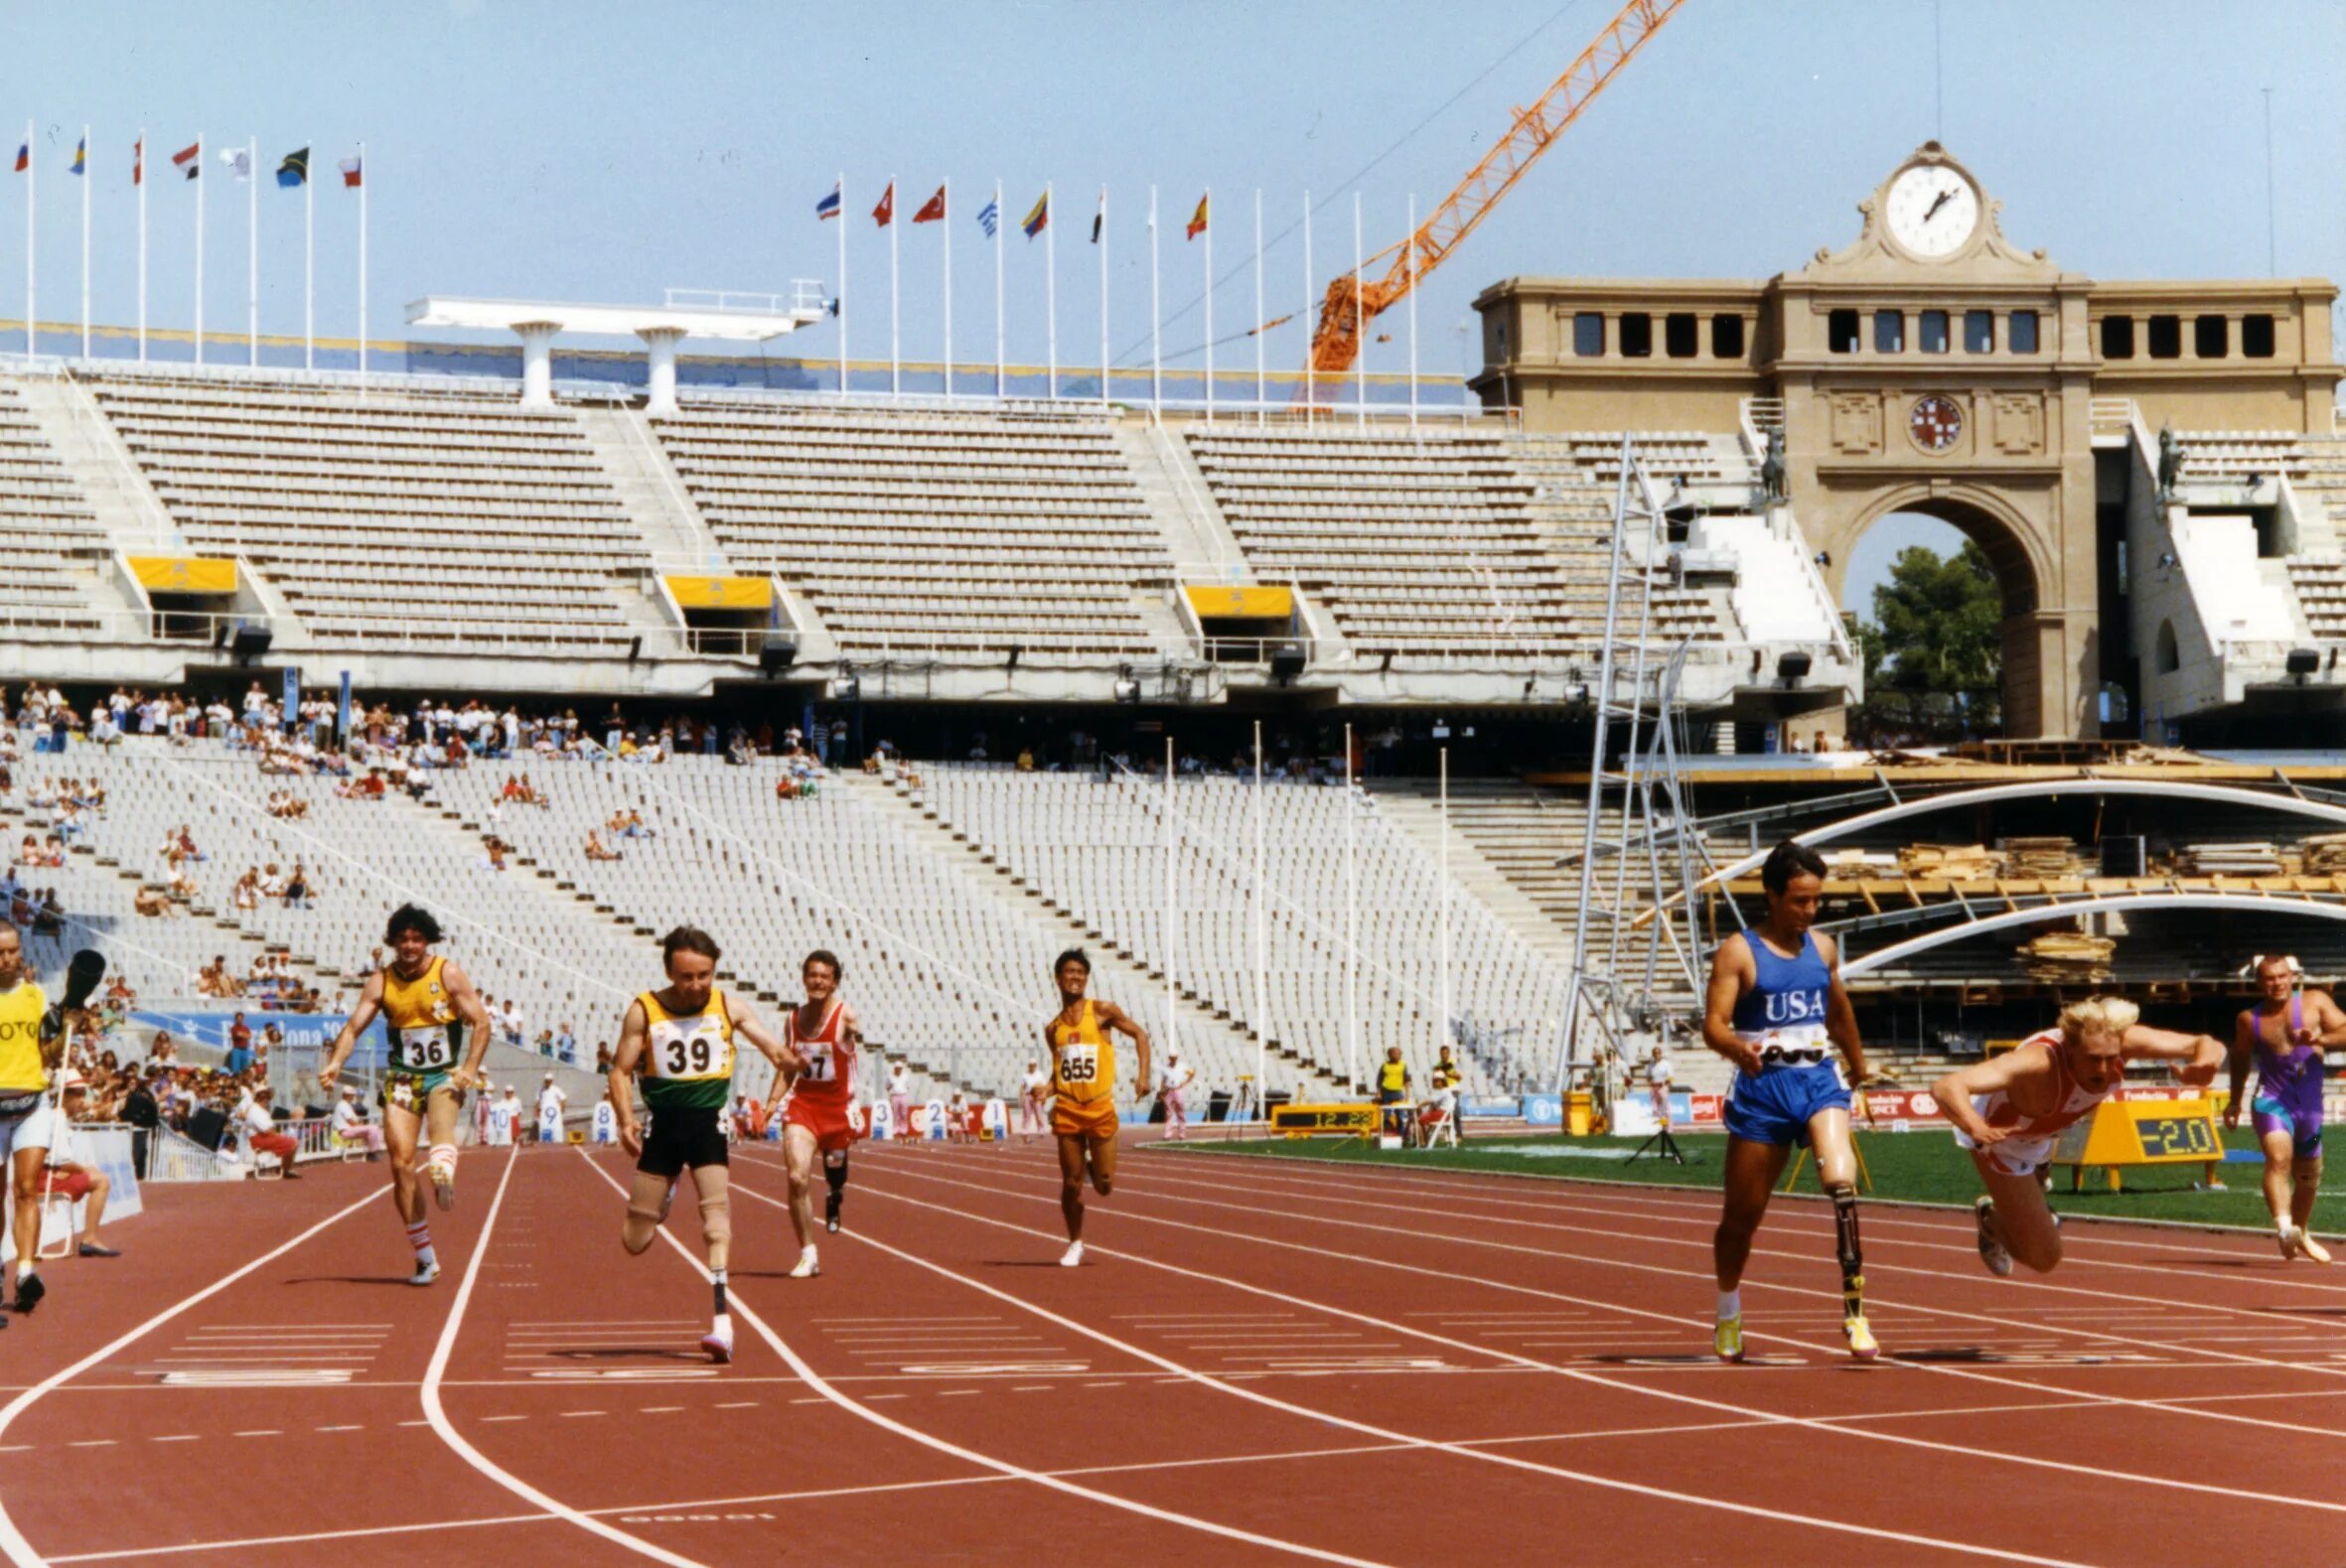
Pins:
x,y
433,1016
820,1112
681,1039
2286,1033
1084,1080
32,1040
1776,1009
2010,1110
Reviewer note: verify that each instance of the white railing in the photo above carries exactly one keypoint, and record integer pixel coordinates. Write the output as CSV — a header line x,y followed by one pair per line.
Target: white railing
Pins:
x,y
807,293
206,629
2110,416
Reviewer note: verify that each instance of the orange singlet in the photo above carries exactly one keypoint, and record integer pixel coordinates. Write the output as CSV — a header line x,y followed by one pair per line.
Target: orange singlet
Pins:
x,y
1083,1077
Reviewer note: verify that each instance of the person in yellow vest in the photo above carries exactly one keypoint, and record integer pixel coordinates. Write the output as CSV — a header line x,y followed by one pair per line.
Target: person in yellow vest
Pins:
x,y
32,1040
1084,1082
680,1038
439,1031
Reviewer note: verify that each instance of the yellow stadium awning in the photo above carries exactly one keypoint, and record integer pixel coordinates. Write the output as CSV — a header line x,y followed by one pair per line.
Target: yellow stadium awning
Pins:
x,y
722,592
184,574
1242,603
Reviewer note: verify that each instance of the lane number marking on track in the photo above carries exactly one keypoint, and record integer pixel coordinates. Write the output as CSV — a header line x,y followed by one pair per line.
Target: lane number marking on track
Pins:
x,y
258,1378
991,1368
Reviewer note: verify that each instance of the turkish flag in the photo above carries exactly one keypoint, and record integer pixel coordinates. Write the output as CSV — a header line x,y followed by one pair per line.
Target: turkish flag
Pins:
x,y
933,209
887,207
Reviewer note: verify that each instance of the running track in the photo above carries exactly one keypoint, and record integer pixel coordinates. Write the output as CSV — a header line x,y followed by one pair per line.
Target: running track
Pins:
x,y
1261,1362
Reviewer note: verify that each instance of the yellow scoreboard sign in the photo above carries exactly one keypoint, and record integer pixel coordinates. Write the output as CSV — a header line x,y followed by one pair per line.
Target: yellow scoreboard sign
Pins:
x,y
2128,1132
1314,1121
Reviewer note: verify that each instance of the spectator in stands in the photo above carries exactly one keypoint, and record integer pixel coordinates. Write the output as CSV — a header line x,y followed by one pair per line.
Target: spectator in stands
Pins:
x,y
162,1051
509,1023
152,903
69,1178
142,1108
245,896
351,1127
178,881
297,887
603,1060
240,1044
595,849
272,882
260,1130
494,859
215,980
567,1044
49,919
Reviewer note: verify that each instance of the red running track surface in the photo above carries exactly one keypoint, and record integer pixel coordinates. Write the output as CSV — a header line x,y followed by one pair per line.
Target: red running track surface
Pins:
x,y
1260,1362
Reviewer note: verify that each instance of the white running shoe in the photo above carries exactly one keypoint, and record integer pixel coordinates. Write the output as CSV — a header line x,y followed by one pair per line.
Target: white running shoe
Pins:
x,y
1072,1258
1992,1250
718,1341
807,1267
424,1274
2310,1248
2284,1236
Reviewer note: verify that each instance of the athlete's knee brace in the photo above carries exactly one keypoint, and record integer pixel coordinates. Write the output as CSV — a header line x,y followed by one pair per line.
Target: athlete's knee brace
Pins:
x,y
641,1226
834,1170
1844,1231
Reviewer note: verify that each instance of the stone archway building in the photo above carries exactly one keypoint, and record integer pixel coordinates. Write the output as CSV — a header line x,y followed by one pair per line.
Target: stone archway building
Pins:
x,y
1933,367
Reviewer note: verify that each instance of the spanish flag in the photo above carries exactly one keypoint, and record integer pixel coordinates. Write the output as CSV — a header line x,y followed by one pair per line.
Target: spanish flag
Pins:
x,y
1197,220
1039,217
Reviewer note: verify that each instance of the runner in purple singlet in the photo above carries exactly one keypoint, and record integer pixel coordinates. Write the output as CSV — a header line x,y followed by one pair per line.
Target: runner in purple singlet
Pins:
x,y
2286,1033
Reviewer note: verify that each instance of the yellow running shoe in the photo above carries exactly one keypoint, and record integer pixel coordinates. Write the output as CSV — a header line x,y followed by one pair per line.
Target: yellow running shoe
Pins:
x,y
1862,1341
1726,1338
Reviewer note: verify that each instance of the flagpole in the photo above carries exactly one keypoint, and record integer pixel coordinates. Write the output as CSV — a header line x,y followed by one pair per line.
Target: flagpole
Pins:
x,y
1156,366
32,174
1360,345
1051,289
1412,312
1261,954
1172,901
1104,349
1208,205
198,248
138,167
841,188
1352,922
84,159
309,261
1262,389
1001,357
253,249
895,356
363,263
1311,390
1442,1036
946,219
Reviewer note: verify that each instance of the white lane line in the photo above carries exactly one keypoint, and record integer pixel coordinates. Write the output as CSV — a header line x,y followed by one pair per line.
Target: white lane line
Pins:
x,y
437,1415
1343,1423
816,1381
12,1540
1579,1374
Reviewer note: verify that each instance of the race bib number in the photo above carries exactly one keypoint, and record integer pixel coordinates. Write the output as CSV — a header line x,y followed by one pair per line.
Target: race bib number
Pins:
x,y
427,1047
821,1066
1079,1063
690,1057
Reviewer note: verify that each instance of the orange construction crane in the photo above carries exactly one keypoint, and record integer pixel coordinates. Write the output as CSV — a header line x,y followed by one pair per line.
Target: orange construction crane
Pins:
x,y
1346,312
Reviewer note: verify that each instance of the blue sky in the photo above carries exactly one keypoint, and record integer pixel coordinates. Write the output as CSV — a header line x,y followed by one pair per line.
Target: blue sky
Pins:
x,y
590,150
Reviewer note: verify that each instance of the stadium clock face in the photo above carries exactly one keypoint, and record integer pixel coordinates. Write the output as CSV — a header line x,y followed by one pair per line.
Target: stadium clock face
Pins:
x,y
1931,211
1935,424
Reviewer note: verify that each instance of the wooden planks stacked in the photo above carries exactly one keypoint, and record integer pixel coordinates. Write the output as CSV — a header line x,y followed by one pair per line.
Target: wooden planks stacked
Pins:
x,y
2068,957
1955,862
2235,859
2053,855
2325,853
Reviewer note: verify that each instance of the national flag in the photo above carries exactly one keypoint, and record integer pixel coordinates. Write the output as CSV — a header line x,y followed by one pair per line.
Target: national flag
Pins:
x,y
1100,218
1038,217
990,217
295,170
24,156
189,158
138,161
240,162
887,207
349,172
933,209
81,156
1197,220
828,206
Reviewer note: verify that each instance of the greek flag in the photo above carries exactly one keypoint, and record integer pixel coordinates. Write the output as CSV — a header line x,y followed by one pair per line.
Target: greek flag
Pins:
x,y
990,217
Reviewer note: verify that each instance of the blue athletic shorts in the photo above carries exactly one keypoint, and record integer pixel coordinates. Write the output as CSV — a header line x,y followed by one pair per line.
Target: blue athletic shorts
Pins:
x,y
1774,1106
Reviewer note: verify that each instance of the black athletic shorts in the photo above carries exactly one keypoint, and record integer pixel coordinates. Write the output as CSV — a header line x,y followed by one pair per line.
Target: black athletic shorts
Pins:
x,y
683,1137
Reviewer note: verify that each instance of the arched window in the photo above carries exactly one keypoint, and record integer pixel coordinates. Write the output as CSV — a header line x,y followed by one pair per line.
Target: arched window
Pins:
x,y
2166,658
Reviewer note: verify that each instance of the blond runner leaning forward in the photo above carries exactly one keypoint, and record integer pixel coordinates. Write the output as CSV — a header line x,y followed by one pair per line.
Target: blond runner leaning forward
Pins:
x,y
681,1038
434,1017
2011,1110
1084,1080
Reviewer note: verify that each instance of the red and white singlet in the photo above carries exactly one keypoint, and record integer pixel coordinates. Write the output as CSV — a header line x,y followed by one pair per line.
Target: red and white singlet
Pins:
x,y
2032,1142
823,1099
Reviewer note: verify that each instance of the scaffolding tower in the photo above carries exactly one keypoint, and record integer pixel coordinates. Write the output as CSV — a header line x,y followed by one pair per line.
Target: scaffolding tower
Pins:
x,y
1632,942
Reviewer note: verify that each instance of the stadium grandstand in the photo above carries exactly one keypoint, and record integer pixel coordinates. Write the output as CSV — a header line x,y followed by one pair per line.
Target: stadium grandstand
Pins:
x,y
1310,763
